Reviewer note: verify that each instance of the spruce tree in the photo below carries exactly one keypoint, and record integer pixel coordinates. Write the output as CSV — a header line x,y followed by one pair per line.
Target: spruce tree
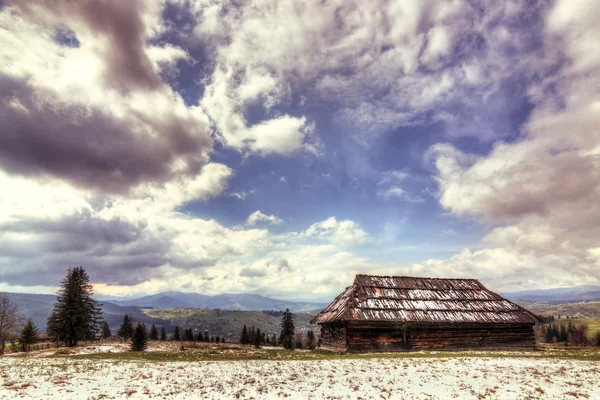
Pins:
x,y
139,340
126,330
287,330
76,315
244,336
29,335
257,338
176,335
163,334
251,335
206,337
199,337
223,340
153,333
188,335
105,330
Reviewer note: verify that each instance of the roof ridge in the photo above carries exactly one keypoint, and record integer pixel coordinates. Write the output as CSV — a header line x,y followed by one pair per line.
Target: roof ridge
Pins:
x,y
419,277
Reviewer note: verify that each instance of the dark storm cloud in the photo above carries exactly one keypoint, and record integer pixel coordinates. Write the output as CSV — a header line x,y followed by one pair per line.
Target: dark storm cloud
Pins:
x,y
113,252
42,135
118,21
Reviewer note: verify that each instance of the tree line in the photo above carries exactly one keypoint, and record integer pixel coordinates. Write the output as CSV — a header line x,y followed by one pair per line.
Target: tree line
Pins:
x,y
573,334
288,339
126,331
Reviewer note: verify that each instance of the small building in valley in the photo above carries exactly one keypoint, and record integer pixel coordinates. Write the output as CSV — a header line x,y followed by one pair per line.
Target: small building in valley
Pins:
x,y
400,313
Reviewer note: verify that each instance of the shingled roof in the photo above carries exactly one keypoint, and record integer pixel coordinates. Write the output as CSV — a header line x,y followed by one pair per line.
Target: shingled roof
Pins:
x,y
430,300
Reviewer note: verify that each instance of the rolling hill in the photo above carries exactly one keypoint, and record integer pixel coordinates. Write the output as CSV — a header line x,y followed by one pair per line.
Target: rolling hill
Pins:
x,y
228,323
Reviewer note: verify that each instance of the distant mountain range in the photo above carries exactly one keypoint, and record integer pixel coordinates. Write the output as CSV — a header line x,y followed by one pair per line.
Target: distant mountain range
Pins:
x,y
558,295
38,307
227,301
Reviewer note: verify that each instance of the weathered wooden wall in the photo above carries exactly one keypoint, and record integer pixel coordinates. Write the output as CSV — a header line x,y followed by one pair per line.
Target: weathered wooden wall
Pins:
x,y
376,337
333,337
372,337
471,336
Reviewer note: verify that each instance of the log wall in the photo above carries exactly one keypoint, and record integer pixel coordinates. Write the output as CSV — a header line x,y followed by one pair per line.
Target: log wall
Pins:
x,y
333,337
473,336
373,337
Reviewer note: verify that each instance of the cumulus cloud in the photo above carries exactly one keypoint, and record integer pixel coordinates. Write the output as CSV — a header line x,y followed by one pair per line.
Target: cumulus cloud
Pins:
x,y
343,233
64,119
258,217
542,191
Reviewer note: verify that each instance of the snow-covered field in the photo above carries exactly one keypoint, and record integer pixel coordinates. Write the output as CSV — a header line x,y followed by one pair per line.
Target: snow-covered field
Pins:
x,y
403,378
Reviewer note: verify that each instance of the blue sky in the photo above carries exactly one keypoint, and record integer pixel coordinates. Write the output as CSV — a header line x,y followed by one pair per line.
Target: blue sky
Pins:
x,y
282,147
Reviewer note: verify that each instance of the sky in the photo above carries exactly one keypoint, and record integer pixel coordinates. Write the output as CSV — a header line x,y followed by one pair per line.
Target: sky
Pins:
x,y
281,147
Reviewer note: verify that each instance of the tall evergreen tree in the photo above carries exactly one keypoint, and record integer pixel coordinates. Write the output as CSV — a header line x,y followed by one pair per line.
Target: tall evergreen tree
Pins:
x,y
126,330
163,334
199,337
188,335
76,315
139,340
223,340
153,333
257,338
287,330
244,337
29,335
206,337
105,331
176,335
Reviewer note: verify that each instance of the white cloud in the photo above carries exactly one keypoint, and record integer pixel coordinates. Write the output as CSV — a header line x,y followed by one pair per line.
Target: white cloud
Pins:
x,y
390,187
542,192
343,233
258,217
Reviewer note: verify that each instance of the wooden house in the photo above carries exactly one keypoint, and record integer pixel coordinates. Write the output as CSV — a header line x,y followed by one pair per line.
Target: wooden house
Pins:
x,y
399,313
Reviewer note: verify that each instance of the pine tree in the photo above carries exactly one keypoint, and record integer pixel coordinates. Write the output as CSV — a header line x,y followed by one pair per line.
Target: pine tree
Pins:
x,y
105,330
176,334
29,335
188,335
153,333
287,330
244,337
76,315
139,340
199,337
163,334
223,340
257,338
126,330
217,339
206,337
